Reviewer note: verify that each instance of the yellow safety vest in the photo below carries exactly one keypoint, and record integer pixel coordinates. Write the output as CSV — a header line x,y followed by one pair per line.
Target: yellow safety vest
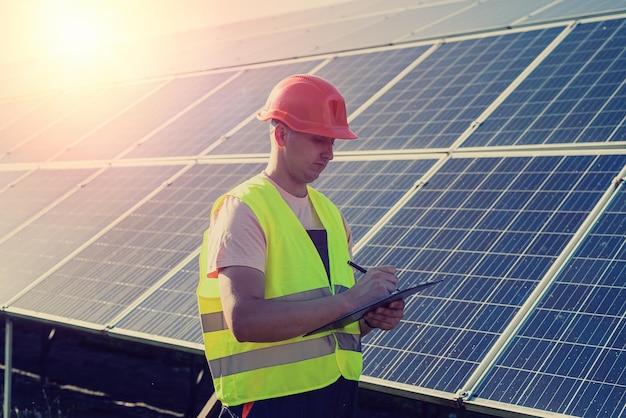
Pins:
x,y
244,372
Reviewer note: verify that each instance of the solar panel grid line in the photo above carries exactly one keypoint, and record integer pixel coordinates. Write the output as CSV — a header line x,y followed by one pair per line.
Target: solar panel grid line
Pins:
x,y
179,114
34,194
407,112
540,290
521,19
584,14
617,94
21,112
591,367
164,279
394,81
357,75
50,206
401,389
439,20
245,121
90,241
581,321
171,311
514,84
459,244
617,128
16,312
156,340
123,263
557,98
109,120
413,337
19,115
373,230
67,130
17,179
580,148
206,122
593,47
59,117
460,204
142,118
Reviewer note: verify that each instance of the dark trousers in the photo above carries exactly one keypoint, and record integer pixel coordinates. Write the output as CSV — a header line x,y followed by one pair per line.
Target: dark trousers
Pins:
x,y
339,400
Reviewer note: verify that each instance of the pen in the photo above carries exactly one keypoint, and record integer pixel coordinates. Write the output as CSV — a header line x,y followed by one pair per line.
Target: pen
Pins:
x,y
356,266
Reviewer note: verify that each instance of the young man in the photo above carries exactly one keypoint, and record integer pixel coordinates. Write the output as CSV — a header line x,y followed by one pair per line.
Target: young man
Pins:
x,y
274,267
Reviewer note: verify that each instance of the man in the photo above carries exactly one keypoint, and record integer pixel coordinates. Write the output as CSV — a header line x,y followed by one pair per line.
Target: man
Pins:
x,y
274,267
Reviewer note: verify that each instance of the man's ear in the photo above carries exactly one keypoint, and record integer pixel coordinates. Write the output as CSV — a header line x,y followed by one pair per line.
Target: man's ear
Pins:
x,y
279,134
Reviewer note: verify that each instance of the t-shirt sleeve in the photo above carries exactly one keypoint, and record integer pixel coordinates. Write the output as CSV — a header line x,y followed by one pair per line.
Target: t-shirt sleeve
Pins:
x,y
235,237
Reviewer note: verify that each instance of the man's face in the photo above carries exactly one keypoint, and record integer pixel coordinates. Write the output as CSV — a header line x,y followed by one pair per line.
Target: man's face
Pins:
x,y
307,155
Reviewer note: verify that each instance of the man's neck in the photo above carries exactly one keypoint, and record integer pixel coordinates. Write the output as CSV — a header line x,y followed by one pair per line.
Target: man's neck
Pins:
x,y
297,190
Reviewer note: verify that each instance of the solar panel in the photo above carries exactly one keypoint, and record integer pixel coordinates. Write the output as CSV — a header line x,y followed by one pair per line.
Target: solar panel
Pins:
x,y
365,191
33,193
165,101
115,248
467,17
491,228
435,103
575,8
170,312
575,95
81,122
202,125
13,110
574,341
62,229
118,267
357,77
47,113
8,177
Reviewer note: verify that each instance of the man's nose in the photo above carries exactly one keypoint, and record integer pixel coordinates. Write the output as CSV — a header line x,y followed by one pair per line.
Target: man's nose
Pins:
x,y
328,151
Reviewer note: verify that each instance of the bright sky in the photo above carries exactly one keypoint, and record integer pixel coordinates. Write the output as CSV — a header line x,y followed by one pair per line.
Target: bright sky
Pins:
x,y
31,27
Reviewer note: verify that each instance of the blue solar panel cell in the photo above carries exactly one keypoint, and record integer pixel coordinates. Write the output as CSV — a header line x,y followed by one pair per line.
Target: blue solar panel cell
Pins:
x,y
118,253
82,121
38,118
171,311
575,337
34,192
9,177
365,190
122,264
564,99
164,102
64,227
201,126
447,229
357,77
442,96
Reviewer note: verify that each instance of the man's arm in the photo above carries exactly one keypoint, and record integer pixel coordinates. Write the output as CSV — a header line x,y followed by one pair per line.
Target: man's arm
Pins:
x,y
251,317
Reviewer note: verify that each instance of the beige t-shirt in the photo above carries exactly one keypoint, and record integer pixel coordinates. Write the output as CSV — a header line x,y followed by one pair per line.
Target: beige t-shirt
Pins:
x,y
237,239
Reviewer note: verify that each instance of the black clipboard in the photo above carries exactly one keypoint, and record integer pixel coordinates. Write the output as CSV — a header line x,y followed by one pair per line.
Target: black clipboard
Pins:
x,y
354,316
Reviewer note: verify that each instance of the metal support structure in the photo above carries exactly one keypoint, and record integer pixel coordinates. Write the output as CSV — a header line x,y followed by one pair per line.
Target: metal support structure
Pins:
x,y
211,408
8,366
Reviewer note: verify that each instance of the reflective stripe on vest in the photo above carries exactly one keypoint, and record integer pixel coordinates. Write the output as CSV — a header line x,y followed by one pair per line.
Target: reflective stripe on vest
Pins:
x,y
244,372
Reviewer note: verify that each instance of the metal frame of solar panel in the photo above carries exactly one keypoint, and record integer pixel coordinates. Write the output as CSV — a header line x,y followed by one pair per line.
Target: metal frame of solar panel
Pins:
x,y
493,161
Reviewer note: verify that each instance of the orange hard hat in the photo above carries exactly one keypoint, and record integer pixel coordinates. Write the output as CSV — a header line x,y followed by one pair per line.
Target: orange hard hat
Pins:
x,y
309,104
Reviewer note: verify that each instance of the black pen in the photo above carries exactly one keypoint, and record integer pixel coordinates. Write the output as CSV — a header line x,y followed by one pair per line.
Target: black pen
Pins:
x,y
356,266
